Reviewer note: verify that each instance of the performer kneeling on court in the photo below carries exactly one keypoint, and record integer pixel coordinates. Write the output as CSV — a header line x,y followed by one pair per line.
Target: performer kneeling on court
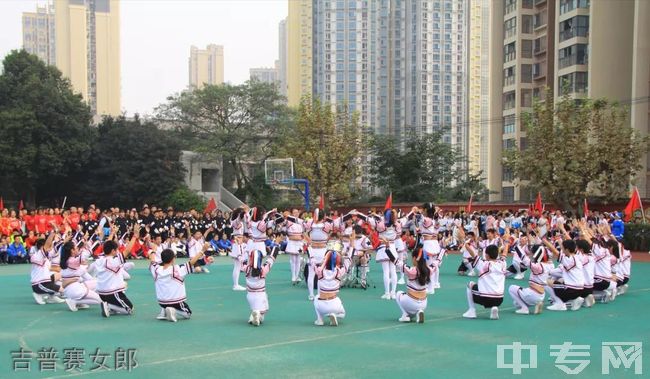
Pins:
x,y
44,282
78,285
539,271
413,302
170,283
256,272
329,275
111,286
491,280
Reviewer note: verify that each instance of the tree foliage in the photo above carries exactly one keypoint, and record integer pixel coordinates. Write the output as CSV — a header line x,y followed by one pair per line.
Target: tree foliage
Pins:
x,y
425,169
326,148
238,123
133,162
45,133
576,149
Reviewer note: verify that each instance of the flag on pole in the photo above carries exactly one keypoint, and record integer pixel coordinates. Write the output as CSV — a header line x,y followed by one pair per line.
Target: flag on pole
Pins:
x,y
21,205
389,202
538,203
586,209
321,202
469,206
2,203
633,204
212,205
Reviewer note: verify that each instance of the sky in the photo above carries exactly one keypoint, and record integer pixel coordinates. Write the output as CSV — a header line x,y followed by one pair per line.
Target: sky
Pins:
x,y
156,36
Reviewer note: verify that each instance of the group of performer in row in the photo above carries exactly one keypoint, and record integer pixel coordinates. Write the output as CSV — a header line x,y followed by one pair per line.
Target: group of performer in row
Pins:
x,y
592,265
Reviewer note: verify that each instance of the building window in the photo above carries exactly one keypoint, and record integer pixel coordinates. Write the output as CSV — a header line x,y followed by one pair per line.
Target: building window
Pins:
x,y
540,19
526,98
508,194
526,73
577,26
209,180
539,45
509,100
575,82
573,55
510,27
509,52
509,6
507,175
526,24
569,5
509,76
527,4
509,124
526,48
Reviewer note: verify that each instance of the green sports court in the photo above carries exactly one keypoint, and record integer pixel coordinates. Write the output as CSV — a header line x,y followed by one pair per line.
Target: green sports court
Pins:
x,y
369,343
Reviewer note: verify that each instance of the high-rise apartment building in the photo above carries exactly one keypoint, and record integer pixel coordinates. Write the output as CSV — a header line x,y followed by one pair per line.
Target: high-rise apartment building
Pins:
x,y
83,38
206,66
283,56
588,49
265,75
39,34
299,51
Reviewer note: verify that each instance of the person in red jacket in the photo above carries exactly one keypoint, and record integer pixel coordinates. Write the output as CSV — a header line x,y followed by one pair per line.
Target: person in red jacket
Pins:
x,y
73,218
30,223
14,223
40,221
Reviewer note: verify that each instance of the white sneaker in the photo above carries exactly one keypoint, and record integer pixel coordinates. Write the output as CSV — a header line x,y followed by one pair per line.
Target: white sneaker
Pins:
x,y
333,320
161,315
419,317
170,314
614,294
539,307
238,288
256,318
404,319
494,313
54,300
577,303
519,276
40,299
71,304
206,270
431,292
436,285
106,311
393,296
590,300
625,287
401,281
559,306
319,322
386,296
522,311
83,306
250,319
471,313
310,297
471,273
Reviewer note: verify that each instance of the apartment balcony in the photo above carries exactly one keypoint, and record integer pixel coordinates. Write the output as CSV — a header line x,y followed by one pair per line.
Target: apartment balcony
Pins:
x,y
539,3
579,31
572,60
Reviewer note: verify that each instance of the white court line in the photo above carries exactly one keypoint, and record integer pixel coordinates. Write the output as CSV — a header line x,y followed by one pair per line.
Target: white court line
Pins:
x,y
292,342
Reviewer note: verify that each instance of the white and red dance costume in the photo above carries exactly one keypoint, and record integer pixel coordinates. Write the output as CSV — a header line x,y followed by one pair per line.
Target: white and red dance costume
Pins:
x,y
488,292
533,296
428,229
328,304
170,287
319,232
111,286
256,273
43,280
604,284
588,271
465,267
78,285
413,302
517,268
623,268
569,282
362,246
239,249
257,224
295,245
389,229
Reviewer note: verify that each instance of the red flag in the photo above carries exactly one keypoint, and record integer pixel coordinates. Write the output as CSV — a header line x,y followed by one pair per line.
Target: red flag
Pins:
x,y
21,205
212,205
389,202
633,204
469,206
538,203
586,209
321,202
2,203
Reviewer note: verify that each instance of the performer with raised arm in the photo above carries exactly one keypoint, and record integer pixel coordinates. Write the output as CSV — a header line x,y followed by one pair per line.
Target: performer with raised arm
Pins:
x,y
328,304
428,230
413,302
317,233
533,296
568,277
44,282
238,219
78,285
256,271
295,243
488,292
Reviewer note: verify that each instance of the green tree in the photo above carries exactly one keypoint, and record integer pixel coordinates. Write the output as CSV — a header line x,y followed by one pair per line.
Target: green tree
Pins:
x,y
236,123
133,163
326,147
576,149
183,198
45,133
425,169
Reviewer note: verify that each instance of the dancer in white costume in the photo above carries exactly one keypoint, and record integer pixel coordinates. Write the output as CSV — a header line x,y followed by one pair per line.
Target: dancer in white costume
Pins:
x,y
239,250
413,302
256,271
328,304
317,233
295,243
78,285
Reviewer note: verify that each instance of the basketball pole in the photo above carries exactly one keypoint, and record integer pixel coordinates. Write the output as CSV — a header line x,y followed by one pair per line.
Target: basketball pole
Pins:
x,y
305,194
